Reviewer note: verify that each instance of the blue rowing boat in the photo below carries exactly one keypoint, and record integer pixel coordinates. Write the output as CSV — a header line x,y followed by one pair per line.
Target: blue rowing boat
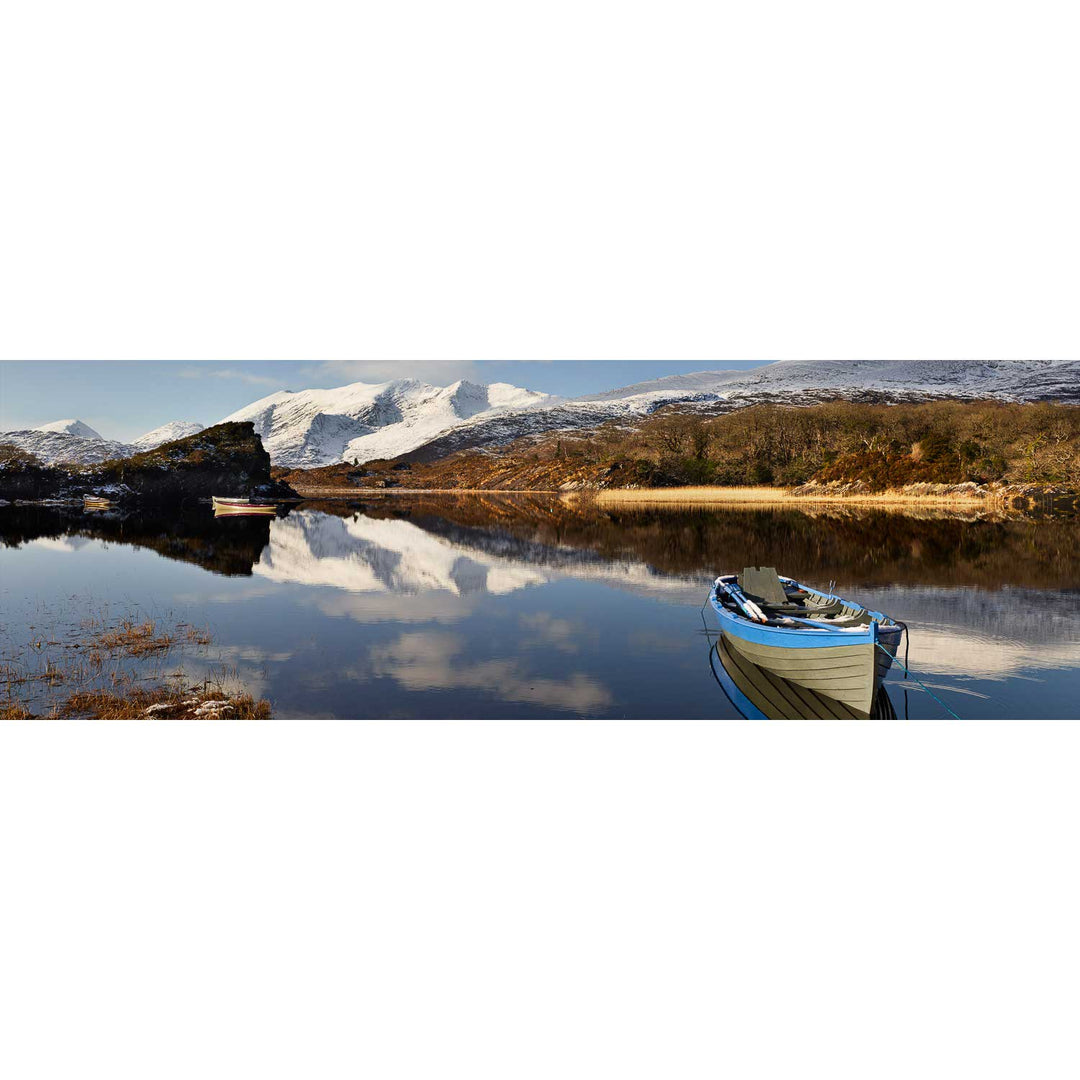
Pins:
x,y
810,638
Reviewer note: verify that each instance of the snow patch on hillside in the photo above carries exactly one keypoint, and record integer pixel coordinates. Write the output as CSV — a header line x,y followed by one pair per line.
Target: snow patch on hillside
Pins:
x,y
70,427
62,442
54,447
175,429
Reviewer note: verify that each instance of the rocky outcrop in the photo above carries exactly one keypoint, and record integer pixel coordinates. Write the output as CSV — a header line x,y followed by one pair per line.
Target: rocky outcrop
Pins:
x,y
228,459
24,476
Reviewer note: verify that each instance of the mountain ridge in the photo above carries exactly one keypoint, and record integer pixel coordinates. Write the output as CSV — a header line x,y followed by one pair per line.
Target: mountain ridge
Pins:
x,y
61,441
412,420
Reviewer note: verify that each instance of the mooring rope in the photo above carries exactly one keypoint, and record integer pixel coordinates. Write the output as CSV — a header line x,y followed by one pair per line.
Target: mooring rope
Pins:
x,y
897,660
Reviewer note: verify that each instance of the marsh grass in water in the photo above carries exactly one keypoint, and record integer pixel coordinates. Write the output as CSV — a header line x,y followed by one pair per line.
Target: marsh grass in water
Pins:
x,y
115,669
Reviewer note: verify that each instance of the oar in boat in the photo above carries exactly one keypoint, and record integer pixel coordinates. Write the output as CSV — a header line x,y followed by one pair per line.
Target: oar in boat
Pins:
x,y
755,614
821,625
750,609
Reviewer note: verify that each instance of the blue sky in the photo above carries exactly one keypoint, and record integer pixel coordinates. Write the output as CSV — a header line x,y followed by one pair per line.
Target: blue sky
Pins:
x,y
123,399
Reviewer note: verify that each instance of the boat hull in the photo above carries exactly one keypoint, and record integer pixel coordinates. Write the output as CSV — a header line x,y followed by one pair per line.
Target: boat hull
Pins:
x,y
845,673
759,694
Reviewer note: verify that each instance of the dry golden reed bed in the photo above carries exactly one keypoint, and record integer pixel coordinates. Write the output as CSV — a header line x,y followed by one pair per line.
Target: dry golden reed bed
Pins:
x,y
771,496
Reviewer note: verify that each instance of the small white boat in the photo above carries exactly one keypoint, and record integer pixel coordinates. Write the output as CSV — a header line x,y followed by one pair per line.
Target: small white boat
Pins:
x,y
224,505
235,500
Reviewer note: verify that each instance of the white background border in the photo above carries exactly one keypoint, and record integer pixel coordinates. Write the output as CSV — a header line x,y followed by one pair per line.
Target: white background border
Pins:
x,y
579,179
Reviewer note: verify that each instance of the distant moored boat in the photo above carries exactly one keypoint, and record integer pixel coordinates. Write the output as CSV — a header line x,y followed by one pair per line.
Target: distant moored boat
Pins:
x,y
224,506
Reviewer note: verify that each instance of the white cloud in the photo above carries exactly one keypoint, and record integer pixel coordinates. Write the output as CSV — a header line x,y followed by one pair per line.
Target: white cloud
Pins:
x,y
437,372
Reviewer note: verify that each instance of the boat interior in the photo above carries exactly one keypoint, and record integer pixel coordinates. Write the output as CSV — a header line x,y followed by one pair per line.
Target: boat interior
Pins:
x,y
782,601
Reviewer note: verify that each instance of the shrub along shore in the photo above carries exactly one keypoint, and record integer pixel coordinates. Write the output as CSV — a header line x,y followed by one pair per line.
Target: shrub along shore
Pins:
x,y
944,451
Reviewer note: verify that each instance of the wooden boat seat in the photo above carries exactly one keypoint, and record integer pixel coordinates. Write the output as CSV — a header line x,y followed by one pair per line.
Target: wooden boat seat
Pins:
x,y
762,584
833,607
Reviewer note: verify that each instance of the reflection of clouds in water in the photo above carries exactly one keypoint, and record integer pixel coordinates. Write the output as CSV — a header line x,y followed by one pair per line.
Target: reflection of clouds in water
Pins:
x,y
250,592
251,654
234,672
955,651
54,543
545,629
985,634
651,641
387,607
430,661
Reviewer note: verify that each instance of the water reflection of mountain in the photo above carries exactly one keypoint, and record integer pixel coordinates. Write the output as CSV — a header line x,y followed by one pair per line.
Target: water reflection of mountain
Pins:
x,y
229,546
983,597
860,546
365,554
404,547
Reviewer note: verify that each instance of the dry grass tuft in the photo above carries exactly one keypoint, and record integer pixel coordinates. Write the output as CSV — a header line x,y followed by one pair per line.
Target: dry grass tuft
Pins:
x,y
164,703
135,639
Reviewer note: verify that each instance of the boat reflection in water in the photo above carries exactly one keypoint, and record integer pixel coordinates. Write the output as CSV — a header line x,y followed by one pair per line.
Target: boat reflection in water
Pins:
x,y
759,694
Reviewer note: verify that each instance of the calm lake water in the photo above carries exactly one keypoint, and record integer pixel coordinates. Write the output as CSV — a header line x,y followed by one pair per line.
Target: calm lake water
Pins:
x,y
403,606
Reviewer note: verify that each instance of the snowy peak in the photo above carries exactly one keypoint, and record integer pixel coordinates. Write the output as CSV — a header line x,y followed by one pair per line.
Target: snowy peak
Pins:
x,y
72,441
469,398
175,429
364,421
693,383
53,447
70,427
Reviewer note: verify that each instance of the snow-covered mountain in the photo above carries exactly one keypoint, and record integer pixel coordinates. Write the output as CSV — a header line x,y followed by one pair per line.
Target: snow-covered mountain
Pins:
x,y
175,429
74,442
70,427
791,382
363,421
52,447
